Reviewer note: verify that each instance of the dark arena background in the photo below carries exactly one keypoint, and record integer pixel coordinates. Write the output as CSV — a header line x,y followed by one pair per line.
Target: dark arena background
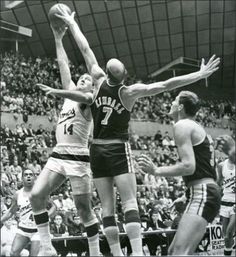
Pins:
x,y
156,40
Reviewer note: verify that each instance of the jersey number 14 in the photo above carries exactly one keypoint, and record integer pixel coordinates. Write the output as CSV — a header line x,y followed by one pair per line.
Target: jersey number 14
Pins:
x,y
68,130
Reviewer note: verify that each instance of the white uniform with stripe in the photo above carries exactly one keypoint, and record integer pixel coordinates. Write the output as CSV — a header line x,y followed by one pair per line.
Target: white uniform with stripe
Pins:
x,y
228,185
26,226
70,156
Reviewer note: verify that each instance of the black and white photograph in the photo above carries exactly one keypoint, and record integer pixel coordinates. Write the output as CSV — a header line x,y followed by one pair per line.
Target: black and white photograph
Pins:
x,y
118,128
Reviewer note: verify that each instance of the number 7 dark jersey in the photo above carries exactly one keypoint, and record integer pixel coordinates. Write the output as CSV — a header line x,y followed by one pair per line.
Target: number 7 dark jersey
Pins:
x,y
111,118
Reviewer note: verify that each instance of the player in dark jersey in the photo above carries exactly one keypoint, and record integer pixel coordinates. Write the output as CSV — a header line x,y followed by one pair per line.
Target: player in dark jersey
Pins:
x,y
110,154
197,166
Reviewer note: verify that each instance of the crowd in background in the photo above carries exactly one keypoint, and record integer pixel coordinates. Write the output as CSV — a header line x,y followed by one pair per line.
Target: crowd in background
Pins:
x,y
21,96
25,148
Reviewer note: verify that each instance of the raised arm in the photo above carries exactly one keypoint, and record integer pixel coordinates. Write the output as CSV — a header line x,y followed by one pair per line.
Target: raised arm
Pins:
x,y
11,211
91,62
185,149
75,95
62,59
140,90
219,174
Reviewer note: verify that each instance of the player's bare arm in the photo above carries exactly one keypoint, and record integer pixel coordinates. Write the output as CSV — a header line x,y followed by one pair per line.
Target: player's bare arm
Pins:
x,y
136,91
77,96
91,62
219,174
186,166
11,211
62,58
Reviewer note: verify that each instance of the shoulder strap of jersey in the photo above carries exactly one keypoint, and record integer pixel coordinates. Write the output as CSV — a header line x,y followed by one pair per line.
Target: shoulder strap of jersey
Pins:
x,y
97,88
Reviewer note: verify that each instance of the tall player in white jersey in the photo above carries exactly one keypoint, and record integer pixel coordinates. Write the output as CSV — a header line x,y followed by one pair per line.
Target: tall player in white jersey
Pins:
x,y
27,229
70,158
227,180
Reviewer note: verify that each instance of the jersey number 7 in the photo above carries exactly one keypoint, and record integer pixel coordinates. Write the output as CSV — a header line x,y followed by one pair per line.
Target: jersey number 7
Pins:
x,y
108,111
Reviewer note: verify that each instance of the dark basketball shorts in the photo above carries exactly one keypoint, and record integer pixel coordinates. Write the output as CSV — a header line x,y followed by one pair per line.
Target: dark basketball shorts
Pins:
x,y
110,160
203,200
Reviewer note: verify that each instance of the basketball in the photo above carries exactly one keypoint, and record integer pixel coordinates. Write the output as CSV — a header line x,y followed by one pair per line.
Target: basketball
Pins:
x,y
58,9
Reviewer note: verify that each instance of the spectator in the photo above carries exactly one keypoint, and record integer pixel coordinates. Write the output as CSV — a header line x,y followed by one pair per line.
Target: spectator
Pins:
x,y
60,203
8,232
35,167
58,227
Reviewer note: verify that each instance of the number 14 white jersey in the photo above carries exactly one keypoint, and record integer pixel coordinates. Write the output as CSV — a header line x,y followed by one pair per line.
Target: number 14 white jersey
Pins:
x,y
72,126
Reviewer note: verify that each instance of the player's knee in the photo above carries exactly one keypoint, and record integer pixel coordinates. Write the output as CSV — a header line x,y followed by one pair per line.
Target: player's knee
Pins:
x,y
130,208
84,209
130,204
37,195
109,221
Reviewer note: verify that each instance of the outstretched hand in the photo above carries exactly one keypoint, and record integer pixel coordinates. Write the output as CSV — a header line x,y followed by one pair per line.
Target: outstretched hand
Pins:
x,y
207,69
48,90
146,164
69,19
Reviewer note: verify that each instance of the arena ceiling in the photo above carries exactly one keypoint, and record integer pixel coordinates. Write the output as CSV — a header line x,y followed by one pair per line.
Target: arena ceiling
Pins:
x,y
145,35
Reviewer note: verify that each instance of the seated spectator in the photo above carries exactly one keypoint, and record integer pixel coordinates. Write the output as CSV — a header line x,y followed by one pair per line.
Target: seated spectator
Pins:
x,y
59,229
35,167
95,199
60,203
40,130
77,228
155,240
69,203
8,202
80,245
8,232
16,170
30,131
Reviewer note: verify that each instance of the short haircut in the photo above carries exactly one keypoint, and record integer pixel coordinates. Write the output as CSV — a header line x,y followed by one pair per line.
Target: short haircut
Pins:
x,y
190,102
23,172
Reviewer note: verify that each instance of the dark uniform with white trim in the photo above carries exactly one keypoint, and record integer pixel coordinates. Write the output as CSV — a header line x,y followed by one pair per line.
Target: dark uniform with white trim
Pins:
x,y
203,199
110,153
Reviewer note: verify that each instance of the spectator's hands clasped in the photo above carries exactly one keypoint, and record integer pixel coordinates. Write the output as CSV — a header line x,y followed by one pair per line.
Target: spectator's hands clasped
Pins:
x,y
146,164
207,69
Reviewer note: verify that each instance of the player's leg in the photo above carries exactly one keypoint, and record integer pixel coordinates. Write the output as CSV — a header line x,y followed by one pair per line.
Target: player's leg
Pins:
x,y
5,250
106,194
35,245
46,182
81,188
190,232
19,244
126,185
228,235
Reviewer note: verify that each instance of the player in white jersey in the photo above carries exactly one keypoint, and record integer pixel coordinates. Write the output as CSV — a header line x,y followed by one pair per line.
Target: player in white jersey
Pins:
x,y
227,180
70,158
27,229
